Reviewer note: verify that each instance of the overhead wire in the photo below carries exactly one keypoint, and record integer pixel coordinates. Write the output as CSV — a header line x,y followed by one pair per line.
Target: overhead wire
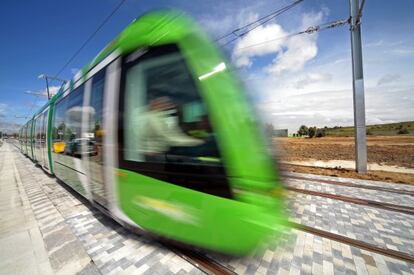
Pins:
x,y
269,17
309,30
34,104
359,16
91,36
259,22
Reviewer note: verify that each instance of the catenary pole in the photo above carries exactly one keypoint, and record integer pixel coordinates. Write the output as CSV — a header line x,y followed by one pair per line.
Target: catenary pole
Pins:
x,y
47,88
358,89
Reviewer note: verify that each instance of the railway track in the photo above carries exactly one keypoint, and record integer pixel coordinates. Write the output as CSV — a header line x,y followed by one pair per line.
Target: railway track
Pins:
x,y
349,184
382,205
210,266
356,243
204,263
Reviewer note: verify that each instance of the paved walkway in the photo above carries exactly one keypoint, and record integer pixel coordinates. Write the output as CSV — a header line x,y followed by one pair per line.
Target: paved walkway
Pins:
x,y
46,230
374,195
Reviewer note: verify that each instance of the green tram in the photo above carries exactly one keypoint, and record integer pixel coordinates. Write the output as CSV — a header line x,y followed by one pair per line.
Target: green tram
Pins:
x,y
157,132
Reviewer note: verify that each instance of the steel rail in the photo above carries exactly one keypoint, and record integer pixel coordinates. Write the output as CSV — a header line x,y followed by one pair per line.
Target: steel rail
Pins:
x,y
362,186
201,261
356,243
382,205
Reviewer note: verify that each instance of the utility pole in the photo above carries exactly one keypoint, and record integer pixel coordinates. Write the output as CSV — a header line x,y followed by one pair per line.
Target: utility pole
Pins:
x,y
358,87
47,77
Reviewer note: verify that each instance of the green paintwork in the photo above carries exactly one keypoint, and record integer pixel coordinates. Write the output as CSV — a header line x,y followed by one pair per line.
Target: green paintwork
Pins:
x,y
49,132
223,223
248,155
232,226
193,217
32,140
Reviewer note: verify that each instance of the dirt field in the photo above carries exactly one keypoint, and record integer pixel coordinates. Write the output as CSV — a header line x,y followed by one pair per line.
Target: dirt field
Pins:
x,y
384,150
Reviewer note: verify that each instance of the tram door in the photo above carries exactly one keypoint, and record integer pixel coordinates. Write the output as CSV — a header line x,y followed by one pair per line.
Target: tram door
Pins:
x,y
93,135
43,138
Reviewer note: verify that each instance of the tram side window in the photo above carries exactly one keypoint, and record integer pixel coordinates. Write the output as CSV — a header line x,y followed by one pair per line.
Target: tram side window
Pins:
x,y
23,137
95,131
58,130
38,125
66,133
73,123
31,133
165,117
44,127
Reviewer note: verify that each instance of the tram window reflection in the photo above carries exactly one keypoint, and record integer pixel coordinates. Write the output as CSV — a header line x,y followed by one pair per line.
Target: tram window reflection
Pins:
x,y
168,116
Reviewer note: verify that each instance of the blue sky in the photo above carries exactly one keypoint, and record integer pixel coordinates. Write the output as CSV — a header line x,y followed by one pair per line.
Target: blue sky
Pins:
x,y
302,80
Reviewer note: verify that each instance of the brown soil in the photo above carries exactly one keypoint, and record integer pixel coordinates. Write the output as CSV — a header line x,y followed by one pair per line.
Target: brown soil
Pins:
x,y
393,150
346,173
389,150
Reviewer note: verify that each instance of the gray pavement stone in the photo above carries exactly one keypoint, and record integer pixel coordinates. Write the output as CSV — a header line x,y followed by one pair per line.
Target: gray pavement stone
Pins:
x,y
109,248
383,228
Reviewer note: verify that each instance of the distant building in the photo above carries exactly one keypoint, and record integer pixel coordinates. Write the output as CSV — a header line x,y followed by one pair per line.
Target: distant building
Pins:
x,y
280,132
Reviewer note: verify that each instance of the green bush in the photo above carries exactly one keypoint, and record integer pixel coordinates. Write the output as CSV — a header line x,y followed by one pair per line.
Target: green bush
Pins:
x,y
312,132
403,131
303,131
320,133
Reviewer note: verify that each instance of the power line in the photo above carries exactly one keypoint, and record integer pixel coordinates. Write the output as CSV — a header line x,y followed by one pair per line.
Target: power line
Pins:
x,y
268,17
82,46
261,21
275,14
90,37
31,107
309,30
359,15
361,7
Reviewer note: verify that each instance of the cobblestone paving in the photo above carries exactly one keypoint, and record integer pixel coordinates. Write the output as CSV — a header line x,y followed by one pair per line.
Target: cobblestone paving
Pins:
x,y
65,251
355,181
115,250
354,192
22,249
111,248
383,228
304,253
103,246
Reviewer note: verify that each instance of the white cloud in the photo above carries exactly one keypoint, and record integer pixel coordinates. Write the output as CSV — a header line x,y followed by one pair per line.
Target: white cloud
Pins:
x,y
244,51
388,78
9,127
312,78
335,107
375,43
225,20
299,49
402,52
52,91
291,53
3,108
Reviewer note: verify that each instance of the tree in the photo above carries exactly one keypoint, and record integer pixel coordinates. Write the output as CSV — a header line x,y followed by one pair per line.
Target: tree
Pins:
x,y
402,131
320,133
312,131
303,131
